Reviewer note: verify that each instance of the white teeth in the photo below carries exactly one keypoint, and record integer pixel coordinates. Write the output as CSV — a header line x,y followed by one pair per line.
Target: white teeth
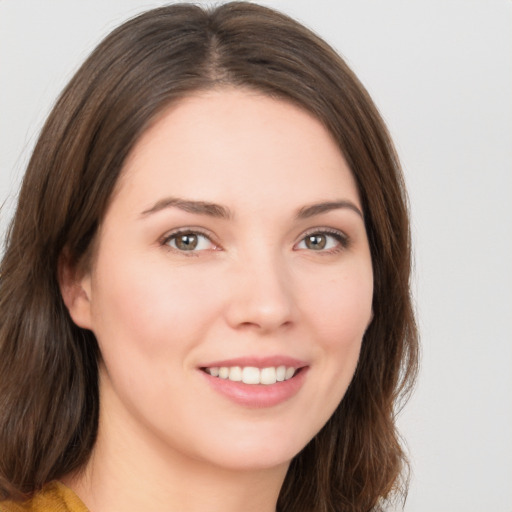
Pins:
x,y
235,374
250,375
253,375
268,376
290,372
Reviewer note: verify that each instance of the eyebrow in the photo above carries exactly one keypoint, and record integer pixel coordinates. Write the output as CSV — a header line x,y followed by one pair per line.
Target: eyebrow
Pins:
x,y
318,208
198,207
222,212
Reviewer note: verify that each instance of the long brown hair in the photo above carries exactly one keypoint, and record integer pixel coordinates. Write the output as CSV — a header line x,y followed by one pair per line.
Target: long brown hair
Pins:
x,y
48,366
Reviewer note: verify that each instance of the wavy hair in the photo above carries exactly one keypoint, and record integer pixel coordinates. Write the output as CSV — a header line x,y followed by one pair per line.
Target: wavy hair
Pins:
x,y
48,366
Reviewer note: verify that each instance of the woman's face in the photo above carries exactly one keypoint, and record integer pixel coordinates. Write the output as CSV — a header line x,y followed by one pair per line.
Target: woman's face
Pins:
x,y
233,245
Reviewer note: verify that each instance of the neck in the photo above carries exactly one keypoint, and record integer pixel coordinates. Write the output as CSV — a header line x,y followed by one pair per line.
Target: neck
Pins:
x,y
130,470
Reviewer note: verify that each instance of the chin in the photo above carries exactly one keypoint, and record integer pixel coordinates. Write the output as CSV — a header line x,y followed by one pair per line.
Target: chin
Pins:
x,y
252,453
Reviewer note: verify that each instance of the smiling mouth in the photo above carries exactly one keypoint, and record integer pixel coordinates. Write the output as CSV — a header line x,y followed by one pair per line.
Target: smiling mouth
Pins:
x,y
253,375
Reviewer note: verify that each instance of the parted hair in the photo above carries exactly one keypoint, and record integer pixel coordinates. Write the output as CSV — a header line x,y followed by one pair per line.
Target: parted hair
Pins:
x,y
49,402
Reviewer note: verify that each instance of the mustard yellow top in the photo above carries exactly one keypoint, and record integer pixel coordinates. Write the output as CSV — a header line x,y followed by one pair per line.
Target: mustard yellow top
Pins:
x,y
53,497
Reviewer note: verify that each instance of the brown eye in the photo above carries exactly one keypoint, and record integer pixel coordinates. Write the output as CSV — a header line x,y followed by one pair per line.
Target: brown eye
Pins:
x,y
323,241
316,242
189,241
186,242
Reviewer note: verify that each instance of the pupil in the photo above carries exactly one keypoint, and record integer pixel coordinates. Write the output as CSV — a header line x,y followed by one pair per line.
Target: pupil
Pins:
x,y
186,242
315,242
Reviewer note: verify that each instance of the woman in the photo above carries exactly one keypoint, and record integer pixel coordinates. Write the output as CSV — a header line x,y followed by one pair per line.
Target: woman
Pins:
x,y
205,292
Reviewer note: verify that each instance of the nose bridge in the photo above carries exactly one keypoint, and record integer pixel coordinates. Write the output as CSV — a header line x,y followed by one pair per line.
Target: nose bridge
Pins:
x,y
262,291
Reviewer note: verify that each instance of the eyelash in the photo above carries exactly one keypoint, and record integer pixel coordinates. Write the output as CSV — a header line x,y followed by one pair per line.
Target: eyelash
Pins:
x,y
342,240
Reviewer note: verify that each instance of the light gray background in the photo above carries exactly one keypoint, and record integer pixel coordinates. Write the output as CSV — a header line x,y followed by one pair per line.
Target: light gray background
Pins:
x,y
441,73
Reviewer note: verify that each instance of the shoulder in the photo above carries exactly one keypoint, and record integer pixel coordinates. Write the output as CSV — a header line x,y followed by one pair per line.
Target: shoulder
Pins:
x,y
53,497
12,506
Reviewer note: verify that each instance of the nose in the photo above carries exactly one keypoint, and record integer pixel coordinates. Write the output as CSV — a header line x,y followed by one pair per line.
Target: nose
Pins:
x,y
261,295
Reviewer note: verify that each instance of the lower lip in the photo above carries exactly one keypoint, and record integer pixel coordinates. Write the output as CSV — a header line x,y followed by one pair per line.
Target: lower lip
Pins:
x,y
257,395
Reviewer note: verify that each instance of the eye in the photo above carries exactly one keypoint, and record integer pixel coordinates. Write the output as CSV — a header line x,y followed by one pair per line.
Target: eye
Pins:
x,y
189,241
323,241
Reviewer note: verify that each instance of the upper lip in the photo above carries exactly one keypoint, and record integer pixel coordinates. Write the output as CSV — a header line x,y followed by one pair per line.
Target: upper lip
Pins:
x,y
257,362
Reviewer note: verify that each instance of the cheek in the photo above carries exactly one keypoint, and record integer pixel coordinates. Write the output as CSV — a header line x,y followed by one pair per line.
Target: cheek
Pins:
x,y
342,313
151,309
337,314
148,321
342,308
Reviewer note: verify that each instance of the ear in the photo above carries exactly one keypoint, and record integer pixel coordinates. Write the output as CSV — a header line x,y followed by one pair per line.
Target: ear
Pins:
x,y
75,288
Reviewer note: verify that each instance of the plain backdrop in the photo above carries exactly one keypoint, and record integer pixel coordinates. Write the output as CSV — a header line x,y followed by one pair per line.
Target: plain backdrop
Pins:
x,y
440,72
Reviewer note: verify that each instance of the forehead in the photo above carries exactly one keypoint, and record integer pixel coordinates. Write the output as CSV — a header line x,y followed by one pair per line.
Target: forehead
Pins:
x,y
228,143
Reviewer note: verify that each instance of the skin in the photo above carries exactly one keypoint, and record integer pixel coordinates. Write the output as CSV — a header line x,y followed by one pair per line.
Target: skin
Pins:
x,y
252,287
